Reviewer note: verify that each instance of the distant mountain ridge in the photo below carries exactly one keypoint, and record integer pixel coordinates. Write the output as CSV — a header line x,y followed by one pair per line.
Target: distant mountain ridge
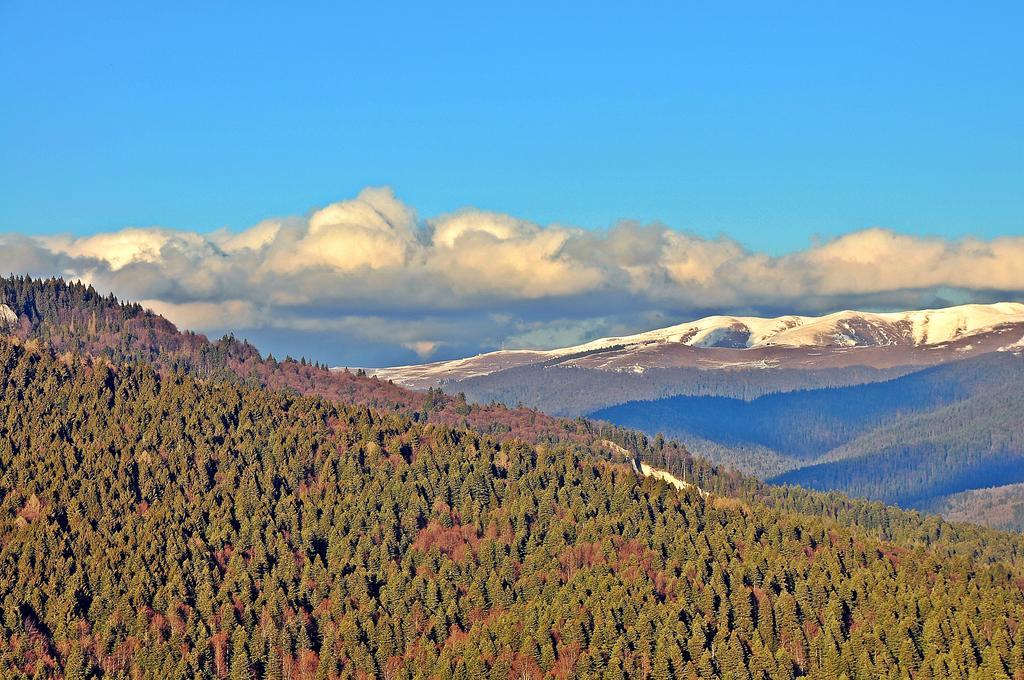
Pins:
x,y
842,339
931,433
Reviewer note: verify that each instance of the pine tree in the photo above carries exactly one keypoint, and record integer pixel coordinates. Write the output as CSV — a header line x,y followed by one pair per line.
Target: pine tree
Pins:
x,y
74,665
240,665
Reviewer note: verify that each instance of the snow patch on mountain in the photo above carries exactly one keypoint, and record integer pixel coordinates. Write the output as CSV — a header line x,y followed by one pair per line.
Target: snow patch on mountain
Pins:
x,y
667,477
7,317
645,470
469,367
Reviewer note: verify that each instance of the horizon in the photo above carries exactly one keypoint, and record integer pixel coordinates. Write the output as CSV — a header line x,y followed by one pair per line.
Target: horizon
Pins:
x,y
725,316
685,322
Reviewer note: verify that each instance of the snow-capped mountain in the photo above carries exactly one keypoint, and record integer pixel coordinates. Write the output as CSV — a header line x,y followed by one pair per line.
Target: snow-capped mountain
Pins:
x,y
847,338
842,329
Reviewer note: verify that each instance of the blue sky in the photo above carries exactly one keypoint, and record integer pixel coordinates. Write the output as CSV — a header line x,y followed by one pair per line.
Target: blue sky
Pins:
x,y
773,123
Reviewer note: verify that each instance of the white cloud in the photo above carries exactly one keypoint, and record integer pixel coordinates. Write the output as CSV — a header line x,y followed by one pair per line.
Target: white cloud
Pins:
x,y
423,348
374,230
482,253
243,314
448,230
368,268
255,238
121,248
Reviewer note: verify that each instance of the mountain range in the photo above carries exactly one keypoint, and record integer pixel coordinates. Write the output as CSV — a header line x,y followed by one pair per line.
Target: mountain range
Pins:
x,y
935,432
919,408
842,339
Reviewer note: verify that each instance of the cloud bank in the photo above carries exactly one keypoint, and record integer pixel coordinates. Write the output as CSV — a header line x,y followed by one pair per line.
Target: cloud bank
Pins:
x,y
366,281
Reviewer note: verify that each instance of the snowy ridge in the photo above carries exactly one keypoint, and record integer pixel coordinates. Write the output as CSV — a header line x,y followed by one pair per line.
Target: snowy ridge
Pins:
x,y
842,329
929,331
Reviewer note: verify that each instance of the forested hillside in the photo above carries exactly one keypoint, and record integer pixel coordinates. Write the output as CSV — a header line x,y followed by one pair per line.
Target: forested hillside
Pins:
x,y
1002,505
165,517
74,319
170,527
974,443
575,391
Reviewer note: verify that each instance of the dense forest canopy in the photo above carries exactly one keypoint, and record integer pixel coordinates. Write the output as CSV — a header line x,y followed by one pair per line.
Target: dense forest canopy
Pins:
x,y
190,520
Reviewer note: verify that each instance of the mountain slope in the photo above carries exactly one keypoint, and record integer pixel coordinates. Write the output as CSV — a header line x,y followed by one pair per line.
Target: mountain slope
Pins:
x,y
189,528
934,432
57,315
973,443
574,391
73,318
1003,505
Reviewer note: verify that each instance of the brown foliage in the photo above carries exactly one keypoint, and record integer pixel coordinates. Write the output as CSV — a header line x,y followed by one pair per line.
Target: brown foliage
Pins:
x,y
456,542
